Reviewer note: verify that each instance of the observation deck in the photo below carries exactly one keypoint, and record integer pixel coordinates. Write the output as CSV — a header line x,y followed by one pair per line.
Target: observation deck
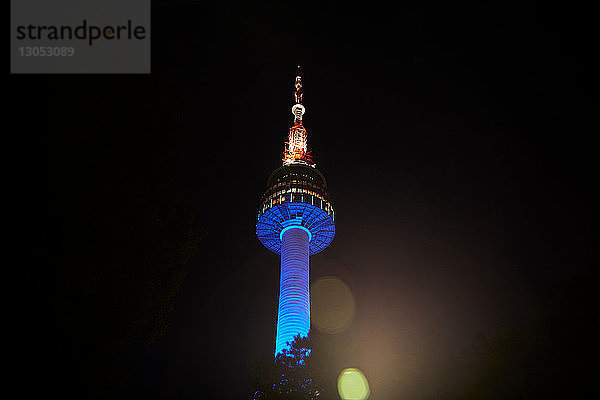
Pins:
x,y
296,196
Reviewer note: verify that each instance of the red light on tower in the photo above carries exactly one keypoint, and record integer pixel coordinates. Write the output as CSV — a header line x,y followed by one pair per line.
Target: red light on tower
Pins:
x,y
296,148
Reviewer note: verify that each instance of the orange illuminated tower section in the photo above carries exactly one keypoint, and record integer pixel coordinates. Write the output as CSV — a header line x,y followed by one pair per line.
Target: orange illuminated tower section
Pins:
x,y
296,148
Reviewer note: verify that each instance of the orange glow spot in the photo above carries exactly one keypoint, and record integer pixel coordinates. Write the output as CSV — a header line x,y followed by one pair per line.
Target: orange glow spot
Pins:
x,y
332,305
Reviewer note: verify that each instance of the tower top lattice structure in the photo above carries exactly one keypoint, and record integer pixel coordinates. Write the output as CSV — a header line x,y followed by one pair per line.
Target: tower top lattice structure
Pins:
x,y
296,148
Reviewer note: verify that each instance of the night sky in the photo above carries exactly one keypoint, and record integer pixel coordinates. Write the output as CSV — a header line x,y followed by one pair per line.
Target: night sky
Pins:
x,y
456,142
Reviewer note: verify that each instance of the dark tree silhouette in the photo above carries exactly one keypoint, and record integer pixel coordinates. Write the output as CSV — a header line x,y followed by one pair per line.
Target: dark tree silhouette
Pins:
x,y
113,233
291,376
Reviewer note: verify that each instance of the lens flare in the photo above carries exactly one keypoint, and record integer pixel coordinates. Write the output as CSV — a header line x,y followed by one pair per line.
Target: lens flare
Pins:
x,y
332,307
352,385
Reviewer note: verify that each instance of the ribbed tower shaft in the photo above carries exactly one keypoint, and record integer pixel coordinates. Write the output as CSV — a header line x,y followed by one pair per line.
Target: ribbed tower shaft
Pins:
x,y
293,316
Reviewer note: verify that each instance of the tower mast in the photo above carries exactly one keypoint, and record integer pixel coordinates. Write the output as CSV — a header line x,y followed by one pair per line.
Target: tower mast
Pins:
x,y
296,148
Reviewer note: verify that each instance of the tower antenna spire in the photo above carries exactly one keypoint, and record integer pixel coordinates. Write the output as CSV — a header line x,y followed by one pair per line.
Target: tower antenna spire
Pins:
x,y
296,148
298,85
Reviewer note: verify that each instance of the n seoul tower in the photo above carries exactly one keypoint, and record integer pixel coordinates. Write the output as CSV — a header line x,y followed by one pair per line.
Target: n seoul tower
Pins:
x,y
296,220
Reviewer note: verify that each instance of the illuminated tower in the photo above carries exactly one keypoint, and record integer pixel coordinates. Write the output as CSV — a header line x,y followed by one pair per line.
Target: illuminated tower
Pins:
x,y
296,220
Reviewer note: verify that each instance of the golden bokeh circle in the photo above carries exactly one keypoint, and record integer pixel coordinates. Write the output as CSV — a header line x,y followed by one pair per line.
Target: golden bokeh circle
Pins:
x,y
332,305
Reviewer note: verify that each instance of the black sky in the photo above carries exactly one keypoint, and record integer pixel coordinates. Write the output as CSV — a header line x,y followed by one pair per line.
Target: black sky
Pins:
x,y
456,141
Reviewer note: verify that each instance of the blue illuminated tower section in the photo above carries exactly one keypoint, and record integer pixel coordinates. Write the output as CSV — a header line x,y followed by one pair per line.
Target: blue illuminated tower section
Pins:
x,y
295,220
